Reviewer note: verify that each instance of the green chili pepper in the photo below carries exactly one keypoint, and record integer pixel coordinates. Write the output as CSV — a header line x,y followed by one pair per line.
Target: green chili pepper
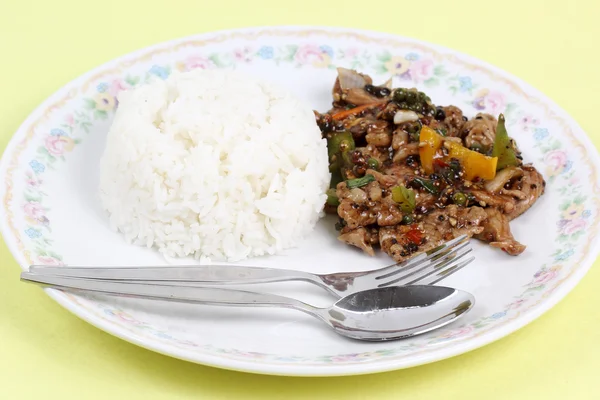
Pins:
x,y
427,185
340,142
405,198
336,177
503,149
332,198
339,147
359,182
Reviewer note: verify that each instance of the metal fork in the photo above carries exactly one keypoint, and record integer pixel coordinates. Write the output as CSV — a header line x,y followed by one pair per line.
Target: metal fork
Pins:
x,y
425,269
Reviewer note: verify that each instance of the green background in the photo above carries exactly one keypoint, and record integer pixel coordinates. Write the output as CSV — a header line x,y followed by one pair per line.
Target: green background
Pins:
x,y
45,352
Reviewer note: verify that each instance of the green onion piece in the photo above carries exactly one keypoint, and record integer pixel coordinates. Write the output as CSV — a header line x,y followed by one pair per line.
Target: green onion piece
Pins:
x,y
405,198
503,149
427,185
359,182
332,199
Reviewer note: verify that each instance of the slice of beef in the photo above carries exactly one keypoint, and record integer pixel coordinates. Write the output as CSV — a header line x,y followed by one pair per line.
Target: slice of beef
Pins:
x,y
445,224
487,199
531,186
358,237
496,231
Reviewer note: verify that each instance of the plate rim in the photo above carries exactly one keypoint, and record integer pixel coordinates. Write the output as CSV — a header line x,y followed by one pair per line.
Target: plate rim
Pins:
x,y
273,368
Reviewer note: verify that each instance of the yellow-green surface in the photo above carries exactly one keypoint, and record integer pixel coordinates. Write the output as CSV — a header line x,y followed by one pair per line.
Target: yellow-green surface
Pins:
x,y
45,352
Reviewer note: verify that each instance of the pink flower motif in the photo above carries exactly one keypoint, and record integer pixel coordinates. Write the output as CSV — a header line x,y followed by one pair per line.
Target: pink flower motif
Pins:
x,y
495,102
32,181
464,330
117,86
195,62
556,160
528,120
199,62
352,52
545,276
243,55
516,304
421,70
574,226
69,120
51,261
311,54
58,145
34,210
343,358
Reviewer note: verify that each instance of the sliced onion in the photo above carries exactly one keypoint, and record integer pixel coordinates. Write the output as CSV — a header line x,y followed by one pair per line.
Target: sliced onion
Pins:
x,y
357,195
350,79
388,84
502,177
358,97
405,116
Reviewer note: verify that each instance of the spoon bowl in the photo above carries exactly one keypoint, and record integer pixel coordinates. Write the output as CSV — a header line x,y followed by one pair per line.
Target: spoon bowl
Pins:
x,y
397,312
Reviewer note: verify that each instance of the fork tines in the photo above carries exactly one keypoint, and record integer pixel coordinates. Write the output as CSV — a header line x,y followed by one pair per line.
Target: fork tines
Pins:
x,y
430,267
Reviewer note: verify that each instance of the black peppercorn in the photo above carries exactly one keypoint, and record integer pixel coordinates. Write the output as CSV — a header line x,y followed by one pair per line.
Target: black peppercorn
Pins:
x,y
440,115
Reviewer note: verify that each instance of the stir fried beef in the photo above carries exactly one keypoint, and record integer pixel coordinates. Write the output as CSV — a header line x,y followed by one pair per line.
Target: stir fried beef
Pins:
x,y
361,238
531,186
408,176
496,232
444,224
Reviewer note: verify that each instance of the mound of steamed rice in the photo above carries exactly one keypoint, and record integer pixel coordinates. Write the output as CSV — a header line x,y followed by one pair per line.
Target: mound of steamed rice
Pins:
x,y
213,164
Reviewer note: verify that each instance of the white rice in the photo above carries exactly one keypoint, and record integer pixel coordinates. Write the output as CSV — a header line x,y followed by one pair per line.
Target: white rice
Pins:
x,y
213,164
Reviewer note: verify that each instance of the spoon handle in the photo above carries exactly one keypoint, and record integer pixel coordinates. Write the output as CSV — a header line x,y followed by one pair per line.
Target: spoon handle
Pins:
x,y
183,294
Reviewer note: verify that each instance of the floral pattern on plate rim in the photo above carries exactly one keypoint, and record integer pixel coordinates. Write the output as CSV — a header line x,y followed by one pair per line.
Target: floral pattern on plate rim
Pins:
x,y
413,67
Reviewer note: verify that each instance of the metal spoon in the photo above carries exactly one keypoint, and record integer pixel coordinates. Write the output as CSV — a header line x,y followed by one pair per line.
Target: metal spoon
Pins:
x,y
387,313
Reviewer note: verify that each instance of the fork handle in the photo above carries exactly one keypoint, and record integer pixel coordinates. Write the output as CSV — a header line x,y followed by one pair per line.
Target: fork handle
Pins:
x,y
195,295
206,275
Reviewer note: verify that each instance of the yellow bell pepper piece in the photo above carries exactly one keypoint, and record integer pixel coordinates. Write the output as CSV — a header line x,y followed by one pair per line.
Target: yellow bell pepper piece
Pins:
x,y
430,143
474,164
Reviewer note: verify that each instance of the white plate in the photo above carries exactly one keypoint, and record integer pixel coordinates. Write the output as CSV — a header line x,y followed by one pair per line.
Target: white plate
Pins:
x,y
52,213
